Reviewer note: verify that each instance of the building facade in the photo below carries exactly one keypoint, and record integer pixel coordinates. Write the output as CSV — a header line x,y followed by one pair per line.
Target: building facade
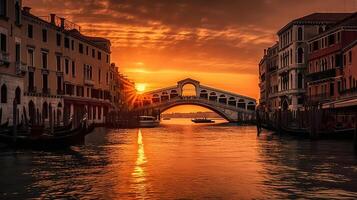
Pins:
x,y
47,64
327,76
292,59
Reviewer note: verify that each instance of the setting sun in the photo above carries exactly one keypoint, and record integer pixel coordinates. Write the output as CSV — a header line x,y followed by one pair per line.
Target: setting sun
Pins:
x,y
140,87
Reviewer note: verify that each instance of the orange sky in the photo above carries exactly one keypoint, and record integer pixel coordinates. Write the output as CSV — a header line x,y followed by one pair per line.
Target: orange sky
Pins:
x,y
158,42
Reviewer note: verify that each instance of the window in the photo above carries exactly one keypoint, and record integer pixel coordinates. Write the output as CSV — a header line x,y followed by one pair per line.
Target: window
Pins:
x,y
3,8
300,56
59,85
17,52
93,53
45,110
17,13
87,50
58,63
332,89
3,94
66,65
344,60
99,55
73,69
31,80
66,42
331,39
3,42
99,112
58,39
30,57
350,57
45,83
80,47
99,75
321,29
300,81
44,60
18,95
72,44
44,35
107,58
30,31
300,34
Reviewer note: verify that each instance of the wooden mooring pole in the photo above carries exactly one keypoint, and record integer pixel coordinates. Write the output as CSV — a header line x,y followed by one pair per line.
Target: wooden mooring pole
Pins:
x,y
355,135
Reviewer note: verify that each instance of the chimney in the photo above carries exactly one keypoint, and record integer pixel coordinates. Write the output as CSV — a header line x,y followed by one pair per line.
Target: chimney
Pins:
x,y
53,19
62,22
27,9
265,52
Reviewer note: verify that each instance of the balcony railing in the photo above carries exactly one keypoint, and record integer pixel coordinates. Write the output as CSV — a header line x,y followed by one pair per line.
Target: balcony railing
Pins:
x,y
46,91
4,58
60,92
88,82
322,75
317,99
349,92
32,90
21,68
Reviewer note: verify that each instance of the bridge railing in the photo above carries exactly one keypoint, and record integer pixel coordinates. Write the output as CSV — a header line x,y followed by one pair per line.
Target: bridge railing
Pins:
x,y
195,99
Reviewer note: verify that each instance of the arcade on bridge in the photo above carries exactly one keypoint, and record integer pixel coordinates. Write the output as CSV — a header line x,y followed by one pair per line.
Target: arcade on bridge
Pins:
x,y
233,107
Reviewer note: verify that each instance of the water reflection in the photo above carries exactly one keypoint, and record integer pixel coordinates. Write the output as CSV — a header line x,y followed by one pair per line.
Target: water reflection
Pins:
x,y
139,174
181,160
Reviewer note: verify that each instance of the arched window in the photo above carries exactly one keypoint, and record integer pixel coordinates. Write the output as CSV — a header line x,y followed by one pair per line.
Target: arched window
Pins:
x,y
251,106
300,81
321,29
241,103
3,94
32,112
300,34
173,94
203,94
213,96
222,99
45,110
300,56
18,95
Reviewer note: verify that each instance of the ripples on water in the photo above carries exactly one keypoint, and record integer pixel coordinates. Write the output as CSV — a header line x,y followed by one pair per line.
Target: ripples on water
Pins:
x,y
179,160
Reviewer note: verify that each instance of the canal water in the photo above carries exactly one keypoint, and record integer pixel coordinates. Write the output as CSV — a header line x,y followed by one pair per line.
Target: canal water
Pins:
x,y
181,160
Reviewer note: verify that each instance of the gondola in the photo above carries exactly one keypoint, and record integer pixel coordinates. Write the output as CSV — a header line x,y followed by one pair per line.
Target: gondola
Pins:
x,y
4,125
46,141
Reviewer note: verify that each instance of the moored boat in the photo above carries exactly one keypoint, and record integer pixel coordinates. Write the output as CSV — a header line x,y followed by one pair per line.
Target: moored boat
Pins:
x,y
148,122
202,120
46,141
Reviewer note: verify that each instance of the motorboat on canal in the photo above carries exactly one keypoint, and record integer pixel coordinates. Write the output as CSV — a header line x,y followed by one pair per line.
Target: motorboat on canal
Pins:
x,y
202,120
148,122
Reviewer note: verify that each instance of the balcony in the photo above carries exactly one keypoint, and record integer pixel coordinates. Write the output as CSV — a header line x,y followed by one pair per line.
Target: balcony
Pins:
x,y
349,93
21,68
32,90
4,59
60,92
46,91
322,75
317,99
88,82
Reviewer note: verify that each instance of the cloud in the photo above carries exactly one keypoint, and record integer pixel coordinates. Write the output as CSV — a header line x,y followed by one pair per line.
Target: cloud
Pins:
x,y
210,36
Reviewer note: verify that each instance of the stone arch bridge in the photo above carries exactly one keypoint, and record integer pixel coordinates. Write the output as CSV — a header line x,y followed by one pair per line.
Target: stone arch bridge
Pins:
x,y
233,107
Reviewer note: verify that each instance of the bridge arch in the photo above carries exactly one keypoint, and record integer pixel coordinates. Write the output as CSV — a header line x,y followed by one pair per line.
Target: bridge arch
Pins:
x,y
212,108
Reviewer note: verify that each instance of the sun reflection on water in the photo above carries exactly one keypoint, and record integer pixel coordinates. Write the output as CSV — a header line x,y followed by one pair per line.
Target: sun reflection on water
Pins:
x,y
139,174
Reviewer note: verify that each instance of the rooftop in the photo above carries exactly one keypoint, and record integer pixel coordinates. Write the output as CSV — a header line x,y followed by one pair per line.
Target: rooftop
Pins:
x,y
318,18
